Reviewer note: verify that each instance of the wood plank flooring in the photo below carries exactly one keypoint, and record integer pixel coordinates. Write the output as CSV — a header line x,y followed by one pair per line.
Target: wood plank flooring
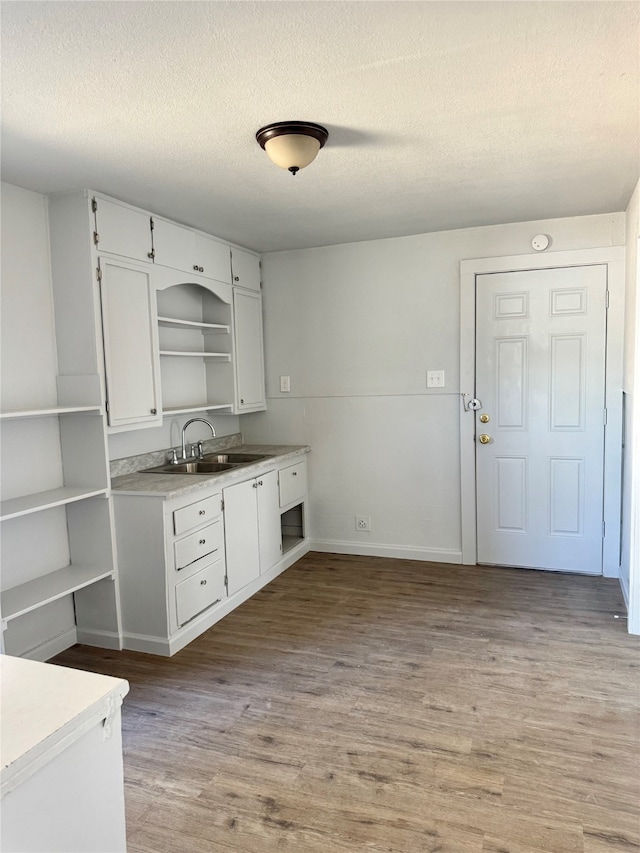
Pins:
x,y
365,704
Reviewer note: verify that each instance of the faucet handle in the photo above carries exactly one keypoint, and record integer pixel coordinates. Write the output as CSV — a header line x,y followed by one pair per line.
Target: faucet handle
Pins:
x,y
172,457
200,450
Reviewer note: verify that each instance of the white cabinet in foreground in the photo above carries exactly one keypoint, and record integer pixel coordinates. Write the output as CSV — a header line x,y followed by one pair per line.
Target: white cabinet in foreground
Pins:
x,y
62,776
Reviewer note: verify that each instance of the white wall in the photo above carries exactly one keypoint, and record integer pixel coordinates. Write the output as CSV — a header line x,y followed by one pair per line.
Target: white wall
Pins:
x,y
29,368
630,564
357,326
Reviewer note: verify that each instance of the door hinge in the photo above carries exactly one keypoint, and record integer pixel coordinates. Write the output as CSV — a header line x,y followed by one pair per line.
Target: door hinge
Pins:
x,y
604,527
99,274
226,580
606,304
106,405
605,416
94,205
96,237
151,221
221,506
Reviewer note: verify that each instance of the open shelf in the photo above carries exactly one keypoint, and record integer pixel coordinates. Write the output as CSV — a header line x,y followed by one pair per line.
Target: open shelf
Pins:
x,y
219,356
210,328
48,412
26,504
198,407
36,593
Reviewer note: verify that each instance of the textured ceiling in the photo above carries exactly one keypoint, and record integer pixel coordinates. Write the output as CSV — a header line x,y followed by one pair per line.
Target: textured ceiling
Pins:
x,y
441,114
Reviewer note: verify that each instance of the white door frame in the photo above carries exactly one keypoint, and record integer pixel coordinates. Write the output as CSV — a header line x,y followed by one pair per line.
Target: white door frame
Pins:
x,y
613,257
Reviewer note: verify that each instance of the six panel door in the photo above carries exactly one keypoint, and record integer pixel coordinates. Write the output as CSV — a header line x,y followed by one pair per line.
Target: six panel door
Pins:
x,y
540,377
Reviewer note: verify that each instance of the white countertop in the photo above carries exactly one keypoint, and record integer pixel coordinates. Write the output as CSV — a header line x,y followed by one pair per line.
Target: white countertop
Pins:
x,y
175,485
44,708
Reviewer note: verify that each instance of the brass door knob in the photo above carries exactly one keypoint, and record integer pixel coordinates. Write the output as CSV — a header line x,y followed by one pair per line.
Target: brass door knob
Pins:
x,y
484,438
484,419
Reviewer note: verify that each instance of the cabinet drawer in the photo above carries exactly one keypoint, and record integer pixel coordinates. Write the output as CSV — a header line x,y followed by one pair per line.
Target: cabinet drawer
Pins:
x,y
293,483
197,545
196,514
200,591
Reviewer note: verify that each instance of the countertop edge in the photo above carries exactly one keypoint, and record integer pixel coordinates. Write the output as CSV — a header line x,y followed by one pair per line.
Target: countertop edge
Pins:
x,y
139,484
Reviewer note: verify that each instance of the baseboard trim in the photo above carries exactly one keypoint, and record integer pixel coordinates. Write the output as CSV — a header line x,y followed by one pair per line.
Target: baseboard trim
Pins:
x,y
401,552
54,646
200,624
100,639
624,586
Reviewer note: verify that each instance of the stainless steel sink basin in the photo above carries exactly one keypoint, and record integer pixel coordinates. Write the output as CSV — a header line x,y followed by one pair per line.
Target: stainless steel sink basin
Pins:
x,y
200,467
213,463
236,458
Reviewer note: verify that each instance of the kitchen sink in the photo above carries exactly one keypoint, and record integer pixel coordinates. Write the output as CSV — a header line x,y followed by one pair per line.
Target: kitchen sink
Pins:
x,y
213,463
199,467
236,458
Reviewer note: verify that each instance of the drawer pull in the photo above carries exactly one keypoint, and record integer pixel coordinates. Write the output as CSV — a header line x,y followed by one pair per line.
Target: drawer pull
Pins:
x,y
294,473
202,541
203,583
202,512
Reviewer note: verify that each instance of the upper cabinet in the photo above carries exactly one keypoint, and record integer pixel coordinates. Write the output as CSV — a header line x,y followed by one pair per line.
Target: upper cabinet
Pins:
x,y
170,333
189,251
122,230
130,344
245,268
248,351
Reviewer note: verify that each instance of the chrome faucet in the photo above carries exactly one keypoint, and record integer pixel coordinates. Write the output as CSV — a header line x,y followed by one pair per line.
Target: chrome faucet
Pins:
x,y
196,449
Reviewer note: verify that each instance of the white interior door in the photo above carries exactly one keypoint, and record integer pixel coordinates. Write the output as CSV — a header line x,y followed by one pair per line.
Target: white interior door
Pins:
x,y
540,378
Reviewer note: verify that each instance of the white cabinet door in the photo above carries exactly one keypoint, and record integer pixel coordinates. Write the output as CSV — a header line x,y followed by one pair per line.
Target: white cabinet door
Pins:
x,y
246,269
122,231
241,534
174,246
130,344
214,258
269,531
186,250
248,352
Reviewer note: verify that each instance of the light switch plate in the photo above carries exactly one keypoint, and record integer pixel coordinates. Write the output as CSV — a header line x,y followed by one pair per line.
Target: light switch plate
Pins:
x,y
435,378
285,384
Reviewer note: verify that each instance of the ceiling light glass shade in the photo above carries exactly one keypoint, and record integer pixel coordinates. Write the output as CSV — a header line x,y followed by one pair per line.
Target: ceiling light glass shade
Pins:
x,y
292,151
292,145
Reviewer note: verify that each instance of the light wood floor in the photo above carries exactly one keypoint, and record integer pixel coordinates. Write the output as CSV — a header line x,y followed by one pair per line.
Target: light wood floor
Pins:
x,y
362,704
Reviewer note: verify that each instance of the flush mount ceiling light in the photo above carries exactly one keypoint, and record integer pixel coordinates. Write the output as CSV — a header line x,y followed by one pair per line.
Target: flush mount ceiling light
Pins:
x,y
292,145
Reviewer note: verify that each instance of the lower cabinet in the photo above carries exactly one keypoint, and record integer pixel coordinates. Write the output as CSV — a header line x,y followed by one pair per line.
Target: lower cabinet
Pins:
x,y
253,541
186,562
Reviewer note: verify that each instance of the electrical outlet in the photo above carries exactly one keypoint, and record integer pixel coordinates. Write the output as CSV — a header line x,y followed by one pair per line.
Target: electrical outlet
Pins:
x,y
363,522
285,384
435,378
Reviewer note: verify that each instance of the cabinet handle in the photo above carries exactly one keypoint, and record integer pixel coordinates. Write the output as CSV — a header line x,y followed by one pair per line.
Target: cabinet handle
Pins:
x,y
203,583
195,267
200,269
202,512
242,401
259,482
255,485
236,278
203,541
154,411
294,473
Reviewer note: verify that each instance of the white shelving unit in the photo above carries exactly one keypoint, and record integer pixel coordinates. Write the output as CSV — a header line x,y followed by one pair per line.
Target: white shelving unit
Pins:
x,y
222,356
26,504
48,412
195,336
22,599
